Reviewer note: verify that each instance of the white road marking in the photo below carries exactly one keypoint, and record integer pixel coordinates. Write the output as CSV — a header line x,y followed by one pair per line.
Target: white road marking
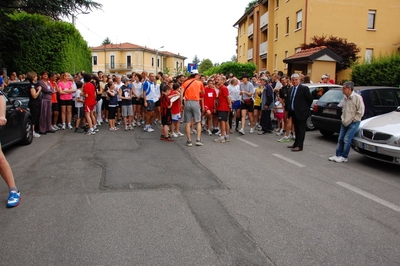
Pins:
x,y
248,142
289,160
370,196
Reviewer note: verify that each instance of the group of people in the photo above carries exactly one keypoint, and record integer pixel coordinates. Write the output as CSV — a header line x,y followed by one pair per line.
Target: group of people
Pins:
x,y
207,104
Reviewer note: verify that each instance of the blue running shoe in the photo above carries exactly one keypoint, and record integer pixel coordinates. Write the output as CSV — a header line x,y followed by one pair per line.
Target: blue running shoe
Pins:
x,y
13,199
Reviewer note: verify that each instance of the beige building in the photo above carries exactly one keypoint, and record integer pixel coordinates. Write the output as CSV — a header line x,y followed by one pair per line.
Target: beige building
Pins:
x,y
125,58
273,30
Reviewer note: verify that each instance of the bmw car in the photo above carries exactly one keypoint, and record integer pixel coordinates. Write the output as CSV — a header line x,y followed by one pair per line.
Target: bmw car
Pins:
x,y
18,129
379,137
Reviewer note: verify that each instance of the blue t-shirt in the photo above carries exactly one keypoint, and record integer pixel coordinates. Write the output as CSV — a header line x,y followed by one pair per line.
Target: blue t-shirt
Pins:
x,y
1,81
126,91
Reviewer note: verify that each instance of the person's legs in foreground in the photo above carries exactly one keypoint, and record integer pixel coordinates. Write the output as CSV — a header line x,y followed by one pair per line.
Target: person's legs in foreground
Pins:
x,y
6,172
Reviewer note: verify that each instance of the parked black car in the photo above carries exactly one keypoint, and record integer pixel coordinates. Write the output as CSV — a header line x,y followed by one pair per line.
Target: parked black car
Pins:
x,y
19,91
377,100
317,91
19,125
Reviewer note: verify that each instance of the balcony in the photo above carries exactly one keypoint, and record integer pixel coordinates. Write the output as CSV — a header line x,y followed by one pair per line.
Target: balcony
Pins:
x,y
264,22
118,67
263,49
250,30
250,54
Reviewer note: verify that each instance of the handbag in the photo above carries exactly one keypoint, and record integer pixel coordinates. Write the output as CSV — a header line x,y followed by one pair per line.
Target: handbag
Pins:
x,y
248,101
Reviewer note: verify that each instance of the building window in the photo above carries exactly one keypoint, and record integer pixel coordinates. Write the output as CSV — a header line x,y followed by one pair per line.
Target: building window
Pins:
x,y
276,61
152,61
112,61
177,65
299,16
368,55
129,61
181,66
298,49
287,25
277,4
286,56
95,60
158,62
276,31
371,19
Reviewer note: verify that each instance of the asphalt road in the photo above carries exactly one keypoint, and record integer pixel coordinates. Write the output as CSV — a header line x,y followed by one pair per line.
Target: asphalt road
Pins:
x,y
127,198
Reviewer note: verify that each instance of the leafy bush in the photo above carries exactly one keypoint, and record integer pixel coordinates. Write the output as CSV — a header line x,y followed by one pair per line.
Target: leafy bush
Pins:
x,y
381,71
35,42
232,67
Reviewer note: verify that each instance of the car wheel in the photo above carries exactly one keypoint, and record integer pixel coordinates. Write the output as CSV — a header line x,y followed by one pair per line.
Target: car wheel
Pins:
x,y
326,133
27,134
310,125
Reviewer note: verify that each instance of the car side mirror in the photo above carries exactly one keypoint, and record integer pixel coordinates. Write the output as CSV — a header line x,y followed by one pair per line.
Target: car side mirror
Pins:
x,y
16,103
398,109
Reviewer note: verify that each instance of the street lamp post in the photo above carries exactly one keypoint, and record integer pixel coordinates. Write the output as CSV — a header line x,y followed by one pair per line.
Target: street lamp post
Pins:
x,y
157,58
73,23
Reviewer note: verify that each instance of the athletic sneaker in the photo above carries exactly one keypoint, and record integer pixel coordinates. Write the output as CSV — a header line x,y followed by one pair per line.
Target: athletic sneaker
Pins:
x,y
189,143
79,130
63,127
341,159
227,139
130,127
90,132
180,134
174,135
168,139
199,142
54,128
194,131
70,127
284,139
241,131
218,132
96,129
209,132
251,130
13,199
36,135
150,129
219,140
332,158
126,128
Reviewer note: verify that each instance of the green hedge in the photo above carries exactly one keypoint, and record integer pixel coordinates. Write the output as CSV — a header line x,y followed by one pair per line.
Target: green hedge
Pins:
x,y
232,67
35,42
381,71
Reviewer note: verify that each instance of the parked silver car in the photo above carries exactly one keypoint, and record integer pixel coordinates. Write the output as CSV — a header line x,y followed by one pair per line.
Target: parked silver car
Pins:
x,y
379,137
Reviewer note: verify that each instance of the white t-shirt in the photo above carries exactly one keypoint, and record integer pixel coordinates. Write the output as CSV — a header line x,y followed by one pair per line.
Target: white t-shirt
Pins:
x,y
138,88
234,92
279,107
78,96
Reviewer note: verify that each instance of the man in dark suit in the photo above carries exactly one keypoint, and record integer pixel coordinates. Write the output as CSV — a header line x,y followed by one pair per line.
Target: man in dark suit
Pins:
x,y
299,110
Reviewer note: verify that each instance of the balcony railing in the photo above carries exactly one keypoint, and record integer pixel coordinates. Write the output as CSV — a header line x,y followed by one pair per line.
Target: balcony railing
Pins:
x,y
119,66
250,54
264,48
264,20
250,30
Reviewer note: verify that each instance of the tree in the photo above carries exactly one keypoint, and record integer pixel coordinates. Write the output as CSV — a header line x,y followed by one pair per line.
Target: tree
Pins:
x,y
347,50
250,5
52,8
196,60
106,41
205,65
234,58
61,46
238,69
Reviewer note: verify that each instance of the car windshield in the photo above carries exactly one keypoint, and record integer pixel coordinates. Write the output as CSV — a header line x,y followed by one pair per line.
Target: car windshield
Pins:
x,y
17,91
332,96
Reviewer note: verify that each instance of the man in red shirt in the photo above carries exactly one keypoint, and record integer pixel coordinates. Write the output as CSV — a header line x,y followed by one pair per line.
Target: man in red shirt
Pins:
x,y
208,107
224,105
89,91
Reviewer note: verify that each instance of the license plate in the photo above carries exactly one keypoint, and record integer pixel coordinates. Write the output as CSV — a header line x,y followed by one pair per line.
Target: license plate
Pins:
x,y
329,111
370,148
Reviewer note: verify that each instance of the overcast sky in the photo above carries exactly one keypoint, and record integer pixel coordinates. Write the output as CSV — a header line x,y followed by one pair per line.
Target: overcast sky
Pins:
x,y
203,28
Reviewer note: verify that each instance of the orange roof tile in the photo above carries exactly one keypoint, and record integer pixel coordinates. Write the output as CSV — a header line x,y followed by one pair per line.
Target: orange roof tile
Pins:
x,y
306,52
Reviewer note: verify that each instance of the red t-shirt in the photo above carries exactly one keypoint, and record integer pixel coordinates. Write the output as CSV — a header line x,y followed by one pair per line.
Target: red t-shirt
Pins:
x,y
222,100
176,106
90,94
209,97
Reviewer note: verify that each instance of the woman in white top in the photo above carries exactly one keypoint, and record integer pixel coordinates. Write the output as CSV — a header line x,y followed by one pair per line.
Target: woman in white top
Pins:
x,y
137,99
233,89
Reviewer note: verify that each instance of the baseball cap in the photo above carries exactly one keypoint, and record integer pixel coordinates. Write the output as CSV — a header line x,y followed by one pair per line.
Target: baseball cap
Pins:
x,y
194,71
324,77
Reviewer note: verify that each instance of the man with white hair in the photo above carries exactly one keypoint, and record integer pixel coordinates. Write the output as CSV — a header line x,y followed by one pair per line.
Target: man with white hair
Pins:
x,y
300,100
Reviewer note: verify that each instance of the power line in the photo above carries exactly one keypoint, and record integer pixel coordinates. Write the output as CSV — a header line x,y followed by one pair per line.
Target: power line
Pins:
x,y
102,38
